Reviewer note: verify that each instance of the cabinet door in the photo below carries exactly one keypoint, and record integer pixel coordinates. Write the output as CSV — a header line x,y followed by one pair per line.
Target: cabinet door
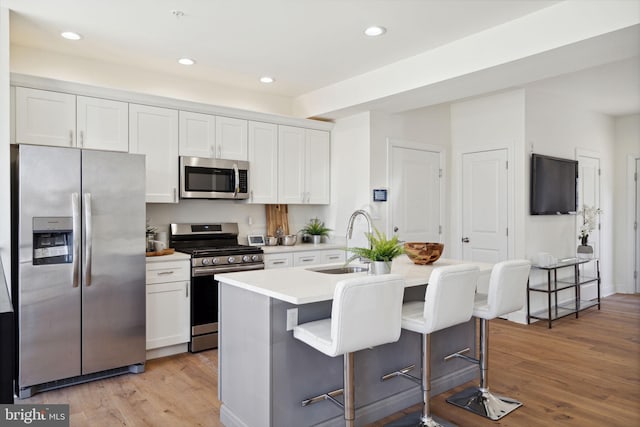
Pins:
x,y
263,161
45,118
317,167
231,138
168,314
153,132
197,134
102,124
291,141
278,261
300,259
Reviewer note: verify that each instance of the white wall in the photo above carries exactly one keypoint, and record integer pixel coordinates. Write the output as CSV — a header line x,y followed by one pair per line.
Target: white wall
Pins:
x,y
25,60
557,128
5,213
626,150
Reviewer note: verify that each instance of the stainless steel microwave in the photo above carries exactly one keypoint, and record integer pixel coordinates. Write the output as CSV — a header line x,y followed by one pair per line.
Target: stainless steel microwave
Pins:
x,y
203,178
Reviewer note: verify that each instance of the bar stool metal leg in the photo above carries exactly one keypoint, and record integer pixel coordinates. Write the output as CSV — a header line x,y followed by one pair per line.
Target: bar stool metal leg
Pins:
x,y
349,391
480,400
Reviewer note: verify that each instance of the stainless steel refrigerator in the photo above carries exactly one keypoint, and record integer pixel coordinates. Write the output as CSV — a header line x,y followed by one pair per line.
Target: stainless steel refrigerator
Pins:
x,y
78,232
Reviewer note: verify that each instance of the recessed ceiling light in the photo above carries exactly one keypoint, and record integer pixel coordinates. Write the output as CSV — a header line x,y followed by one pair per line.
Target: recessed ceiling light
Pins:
x,y
186,61
375,31
267,79
70,35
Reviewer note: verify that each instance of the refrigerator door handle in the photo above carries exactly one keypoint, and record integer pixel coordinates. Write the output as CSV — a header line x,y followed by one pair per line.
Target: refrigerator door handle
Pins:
x,y
87,239
75,222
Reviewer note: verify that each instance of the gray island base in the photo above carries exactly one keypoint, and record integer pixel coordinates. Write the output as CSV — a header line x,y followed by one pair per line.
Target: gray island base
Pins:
x,y
264,373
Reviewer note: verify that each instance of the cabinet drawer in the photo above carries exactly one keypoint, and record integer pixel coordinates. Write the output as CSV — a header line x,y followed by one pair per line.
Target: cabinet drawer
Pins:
x,y
330,257
170,271
278,261
306,258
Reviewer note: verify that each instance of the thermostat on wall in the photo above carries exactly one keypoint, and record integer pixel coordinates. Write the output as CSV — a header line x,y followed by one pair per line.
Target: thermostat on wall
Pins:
x,y
255,239
380,195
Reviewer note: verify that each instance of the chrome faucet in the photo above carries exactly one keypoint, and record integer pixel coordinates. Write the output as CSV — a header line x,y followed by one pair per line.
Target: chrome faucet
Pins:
x,y
352,220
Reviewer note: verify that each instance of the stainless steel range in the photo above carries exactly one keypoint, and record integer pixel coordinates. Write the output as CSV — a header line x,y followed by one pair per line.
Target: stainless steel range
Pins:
x,y
214,249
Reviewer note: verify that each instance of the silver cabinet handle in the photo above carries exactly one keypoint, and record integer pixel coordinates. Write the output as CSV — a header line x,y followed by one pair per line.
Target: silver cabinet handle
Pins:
x,y
75,221
219,151
212,151
175,194
278,262
164,273
81,138
308,259
71,138
186,289
333,257
88,236
252,195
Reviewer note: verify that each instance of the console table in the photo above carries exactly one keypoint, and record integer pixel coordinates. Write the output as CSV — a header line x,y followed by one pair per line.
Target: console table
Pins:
x,y
557,310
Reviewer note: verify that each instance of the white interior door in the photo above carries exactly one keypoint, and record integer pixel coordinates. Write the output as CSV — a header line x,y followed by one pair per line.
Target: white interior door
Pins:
x,y
589,195
637,267
484,206
415,194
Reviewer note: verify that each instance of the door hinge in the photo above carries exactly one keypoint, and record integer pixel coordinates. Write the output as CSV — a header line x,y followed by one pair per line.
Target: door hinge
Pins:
x,y
598,226
439,229
635,225
599,171
635,274
506,164
439,173
507,230
635,176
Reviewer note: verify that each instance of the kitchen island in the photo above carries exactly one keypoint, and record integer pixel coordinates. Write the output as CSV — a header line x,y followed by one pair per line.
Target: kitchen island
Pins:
x,y
265,373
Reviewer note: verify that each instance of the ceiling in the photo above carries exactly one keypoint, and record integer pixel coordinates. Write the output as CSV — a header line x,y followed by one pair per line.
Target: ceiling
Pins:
x,y
304,44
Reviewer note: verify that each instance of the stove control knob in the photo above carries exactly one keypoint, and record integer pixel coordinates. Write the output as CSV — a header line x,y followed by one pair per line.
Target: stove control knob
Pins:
x,y
255,258
246,258
214,261
205,261
231,260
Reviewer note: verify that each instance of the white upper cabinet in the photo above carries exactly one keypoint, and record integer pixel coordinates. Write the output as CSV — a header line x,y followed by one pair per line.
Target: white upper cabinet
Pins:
x,y
102,124
50,118
317,167
45,117
304,173
153,131
204,135
263,161
197,134
231,138
291,165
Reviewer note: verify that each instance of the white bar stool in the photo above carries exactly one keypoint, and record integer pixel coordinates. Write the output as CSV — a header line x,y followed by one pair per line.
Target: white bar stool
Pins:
x,y
365,313
448,301
507,287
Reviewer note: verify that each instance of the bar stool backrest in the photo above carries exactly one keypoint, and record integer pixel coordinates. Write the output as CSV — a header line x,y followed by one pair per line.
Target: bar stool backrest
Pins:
x,y
507,288
448,299
366,312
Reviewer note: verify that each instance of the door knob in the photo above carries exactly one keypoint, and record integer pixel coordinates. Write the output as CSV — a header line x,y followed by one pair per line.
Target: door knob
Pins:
x,y
465,240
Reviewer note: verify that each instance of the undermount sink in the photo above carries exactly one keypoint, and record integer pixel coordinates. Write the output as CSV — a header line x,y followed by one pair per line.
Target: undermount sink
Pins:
x,y
339,270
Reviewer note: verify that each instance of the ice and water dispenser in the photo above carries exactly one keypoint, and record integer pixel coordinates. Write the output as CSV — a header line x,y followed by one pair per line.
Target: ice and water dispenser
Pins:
x,y
52,240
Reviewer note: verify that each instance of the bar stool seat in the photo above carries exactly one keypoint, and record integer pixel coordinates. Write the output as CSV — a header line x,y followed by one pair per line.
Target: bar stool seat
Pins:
x,y
448,301
506,294
365,313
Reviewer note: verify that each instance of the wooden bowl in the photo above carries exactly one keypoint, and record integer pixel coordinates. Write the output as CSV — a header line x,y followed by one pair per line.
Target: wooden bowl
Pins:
x,y
423,253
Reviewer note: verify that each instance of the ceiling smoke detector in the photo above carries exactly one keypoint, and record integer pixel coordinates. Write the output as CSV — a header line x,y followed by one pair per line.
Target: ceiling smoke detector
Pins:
x,y
375,31
70,35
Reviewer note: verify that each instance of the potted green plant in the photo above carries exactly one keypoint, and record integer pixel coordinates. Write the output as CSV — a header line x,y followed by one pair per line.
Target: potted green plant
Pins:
x,y
316,229
381,252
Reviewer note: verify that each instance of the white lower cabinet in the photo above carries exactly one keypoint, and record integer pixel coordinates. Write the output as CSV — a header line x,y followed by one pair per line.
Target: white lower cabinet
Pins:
x,y
278,261
168,304
302,258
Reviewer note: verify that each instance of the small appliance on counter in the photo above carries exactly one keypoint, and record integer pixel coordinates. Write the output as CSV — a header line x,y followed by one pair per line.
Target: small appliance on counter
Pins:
x,y
214,249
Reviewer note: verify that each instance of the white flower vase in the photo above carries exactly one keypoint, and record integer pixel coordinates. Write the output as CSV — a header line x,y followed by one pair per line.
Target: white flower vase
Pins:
x,y
380,267
585,251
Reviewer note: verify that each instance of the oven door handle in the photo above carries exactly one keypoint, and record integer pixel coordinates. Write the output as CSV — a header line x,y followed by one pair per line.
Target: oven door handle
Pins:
x,y
209,271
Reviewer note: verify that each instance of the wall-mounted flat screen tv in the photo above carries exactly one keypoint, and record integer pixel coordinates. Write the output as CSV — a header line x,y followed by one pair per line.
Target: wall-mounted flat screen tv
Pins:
x,y
553,185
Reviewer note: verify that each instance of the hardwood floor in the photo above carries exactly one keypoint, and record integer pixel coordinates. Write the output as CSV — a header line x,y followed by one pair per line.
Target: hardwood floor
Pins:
x,y
583,372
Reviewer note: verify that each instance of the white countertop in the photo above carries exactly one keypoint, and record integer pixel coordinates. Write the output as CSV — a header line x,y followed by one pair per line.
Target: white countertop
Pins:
x,y
176,256
301,247
299,285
